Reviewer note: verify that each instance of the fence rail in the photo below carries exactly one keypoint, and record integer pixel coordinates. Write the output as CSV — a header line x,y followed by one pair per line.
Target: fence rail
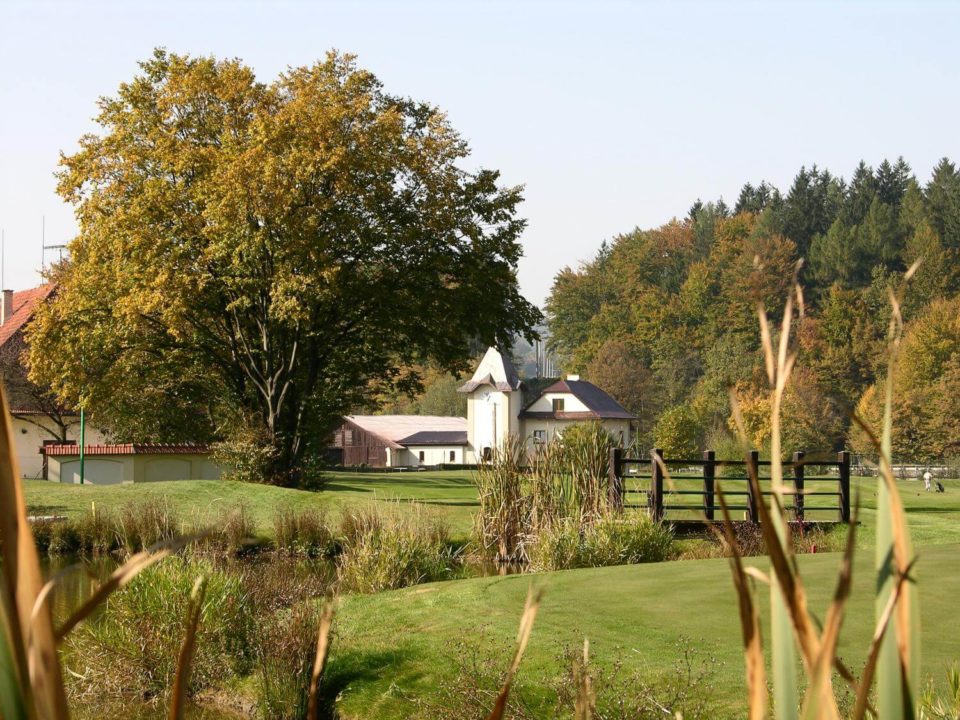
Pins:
x,y
733,486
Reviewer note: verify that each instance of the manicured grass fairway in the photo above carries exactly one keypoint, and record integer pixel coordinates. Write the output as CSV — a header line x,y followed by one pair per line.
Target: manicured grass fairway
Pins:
x,y
451,494
400,645
934,518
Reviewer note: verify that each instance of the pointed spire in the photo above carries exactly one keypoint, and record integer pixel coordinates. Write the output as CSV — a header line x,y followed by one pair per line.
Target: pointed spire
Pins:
x,y
496,370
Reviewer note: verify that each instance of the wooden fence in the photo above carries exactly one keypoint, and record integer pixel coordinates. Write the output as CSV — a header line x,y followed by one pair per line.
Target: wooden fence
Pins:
x,y
693,484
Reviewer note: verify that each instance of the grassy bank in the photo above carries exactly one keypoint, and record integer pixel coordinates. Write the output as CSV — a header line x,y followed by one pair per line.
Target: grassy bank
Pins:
x,y
451,493
395,647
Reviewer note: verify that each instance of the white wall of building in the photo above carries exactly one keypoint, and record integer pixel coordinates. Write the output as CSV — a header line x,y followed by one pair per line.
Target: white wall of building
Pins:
x,y
619,429
432,455
28,438
492,417
115,469
570,403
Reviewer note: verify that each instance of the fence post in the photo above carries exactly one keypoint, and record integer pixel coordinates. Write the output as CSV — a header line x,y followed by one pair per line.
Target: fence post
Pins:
x,y
798,485
615,471
754,498
709,473
843,458
656,487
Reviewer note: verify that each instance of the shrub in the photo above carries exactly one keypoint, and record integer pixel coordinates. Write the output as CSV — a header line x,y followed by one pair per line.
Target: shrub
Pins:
x,y
64,538
613,540
42,534
302,533
144,523
677,432
274,583
393,551
245,459
286,645
98,531
133,648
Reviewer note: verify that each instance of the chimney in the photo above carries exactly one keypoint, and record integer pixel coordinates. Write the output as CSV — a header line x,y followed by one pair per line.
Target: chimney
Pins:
x,y
6,306
573,378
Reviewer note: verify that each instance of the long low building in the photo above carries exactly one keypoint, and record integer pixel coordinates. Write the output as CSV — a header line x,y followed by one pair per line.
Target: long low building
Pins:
x,y
401,440
129,463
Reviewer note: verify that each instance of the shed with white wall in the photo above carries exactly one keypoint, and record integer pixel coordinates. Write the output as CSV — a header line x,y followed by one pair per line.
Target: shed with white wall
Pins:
x,y
130,463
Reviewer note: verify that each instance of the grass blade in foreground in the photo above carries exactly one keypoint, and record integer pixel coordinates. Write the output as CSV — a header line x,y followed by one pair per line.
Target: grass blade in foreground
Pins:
x,y
749,622
178,703
320,661
29,638
523,635
899,663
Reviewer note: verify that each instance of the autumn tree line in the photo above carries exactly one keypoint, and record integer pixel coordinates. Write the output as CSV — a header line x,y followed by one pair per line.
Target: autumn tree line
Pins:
x,y
666,319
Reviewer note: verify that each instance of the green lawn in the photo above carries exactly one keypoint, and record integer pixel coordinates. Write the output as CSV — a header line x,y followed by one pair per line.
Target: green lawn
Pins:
x,y
395,647
934,517
451,494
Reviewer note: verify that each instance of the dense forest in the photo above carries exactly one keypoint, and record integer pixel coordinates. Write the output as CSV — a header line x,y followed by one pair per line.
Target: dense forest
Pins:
x,y
665,319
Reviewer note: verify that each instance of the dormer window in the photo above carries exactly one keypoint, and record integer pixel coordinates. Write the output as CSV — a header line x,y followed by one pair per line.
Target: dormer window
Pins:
x,y
558,405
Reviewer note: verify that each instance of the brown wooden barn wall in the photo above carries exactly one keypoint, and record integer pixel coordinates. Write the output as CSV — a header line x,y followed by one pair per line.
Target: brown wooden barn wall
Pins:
x,y
359,446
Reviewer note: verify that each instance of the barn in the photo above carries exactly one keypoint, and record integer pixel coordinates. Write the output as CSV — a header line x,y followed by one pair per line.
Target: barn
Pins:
x,y
400,440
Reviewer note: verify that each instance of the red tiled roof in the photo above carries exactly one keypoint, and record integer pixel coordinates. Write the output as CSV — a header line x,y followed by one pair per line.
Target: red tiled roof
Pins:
x,y
24,304
127,449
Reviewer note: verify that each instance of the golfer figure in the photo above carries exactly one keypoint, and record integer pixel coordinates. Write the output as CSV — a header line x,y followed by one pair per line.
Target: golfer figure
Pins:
x,y
926,481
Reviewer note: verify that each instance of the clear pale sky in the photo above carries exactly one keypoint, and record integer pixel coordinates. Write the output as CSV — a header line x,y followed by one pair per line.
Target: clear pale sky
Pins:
x,y
612,114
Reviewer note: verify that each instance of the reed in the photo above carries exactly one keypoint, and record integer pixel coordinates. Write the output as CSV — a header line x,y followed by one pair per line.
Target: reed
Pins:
x,y
394,550
304,532
586,450
892,657
504,515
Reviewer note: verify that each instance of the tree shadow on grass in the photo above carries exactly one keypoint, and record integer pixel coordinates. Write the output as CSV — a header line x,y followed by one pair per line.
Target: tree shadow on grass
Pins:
x,y
349,667
37,509
336,487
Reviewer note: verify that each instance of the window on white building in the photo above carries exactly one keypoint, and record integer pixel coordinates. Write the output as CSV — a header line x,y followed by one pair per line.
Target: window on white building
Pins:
x,y
558,405
540,437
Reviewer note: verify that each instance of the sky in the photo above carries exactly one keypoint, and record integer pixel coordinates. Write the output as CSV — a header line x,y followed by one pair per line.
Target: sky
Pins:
x,y
613,115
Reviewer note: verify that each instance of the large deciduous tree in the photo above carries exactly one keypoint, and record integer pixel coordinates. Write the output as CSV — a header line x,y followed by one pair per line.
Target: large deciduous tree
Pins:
x,y
253,256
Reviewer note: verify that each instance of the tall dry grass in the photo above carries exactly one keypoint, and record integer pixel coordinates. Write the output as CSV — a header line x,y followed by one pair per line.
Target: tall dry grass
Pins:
x,y
892,659
502,522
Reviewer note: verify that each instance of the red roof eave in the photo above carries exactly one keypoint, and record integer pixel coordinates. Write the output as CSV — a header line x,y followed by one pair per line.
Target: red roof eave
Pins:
x,y
69,449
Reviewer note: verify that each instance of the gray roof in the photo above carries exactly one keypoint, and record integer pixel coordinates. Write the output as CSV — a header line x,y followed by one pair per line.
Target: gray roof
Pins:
x,y
599,404
395,428
437,437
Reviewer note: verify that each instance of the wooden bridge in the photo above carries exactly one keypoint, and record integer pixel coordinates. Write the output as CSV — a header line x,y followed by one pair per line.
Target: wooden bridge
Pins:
x,y
691,495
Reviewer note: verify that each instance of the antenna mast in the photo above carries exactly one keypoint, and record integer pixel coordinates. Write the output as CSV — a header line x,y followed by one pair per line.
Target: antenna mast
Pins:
x,y
45,247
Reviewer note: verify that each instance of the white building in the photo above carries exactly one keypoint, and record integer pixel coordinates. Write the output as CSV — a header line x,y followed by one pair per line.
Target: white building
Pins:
x,y
401,440
500,405
38,419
